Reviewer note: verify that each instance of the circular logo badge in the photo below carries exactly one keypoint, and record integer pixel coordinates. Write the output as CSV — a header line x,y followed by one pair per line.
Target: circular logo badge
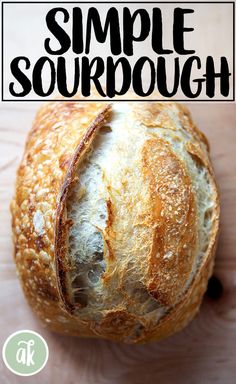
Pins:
x,y
25,353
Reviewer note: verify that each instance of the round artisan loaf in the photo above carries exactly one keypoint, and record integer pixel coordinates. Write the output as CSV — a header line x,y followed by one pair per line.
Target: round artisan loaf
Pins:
x,y
115,219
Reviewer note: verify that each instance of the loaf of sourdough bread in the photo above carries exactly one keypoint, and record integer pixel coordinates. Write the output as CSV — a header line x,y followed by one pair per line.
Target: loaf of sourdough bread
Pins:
x,y
115,219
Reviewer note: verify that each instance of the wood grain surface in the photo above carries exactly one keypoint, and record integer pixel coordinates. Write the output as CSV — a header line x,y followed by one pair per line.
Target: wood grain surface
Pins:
x,y
205,352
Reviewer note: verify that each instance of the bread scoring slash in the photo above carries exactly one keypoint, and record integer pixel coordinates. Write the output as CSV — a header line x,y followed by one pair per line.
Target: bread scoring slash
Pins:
x,y
115,219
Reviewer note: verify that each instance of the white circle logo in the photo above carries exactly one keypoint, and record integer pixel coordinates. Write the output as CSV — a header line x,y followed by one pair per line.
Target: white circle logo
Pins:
x,y
25,353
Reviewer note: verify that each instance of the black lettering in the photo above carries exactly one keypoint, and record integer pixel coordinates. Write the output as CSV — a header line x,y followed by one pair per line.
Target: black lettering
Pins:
x,y
111,76
77,31
57,31
128,26
179,29
112,22
20,76
162,80
157,33
87,76
62,78
211,75
137,77
186,78
38,77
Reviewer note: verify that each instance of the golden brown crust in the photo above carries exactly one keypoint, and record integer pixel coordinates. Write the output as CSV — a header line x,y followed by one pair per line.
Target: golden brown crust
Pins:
x,y
175,219
61,134
56,135
61,222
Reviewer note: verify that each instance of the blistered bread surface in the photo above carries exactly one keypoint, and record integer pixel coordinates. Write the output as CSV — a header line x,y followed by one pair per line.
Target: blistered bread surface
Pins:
x,y
115,219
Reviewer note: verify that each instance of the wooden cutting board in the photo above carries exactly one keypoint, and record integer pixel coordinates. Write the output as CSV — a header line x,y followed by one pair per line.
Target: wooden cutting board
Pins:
x,y
205,352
